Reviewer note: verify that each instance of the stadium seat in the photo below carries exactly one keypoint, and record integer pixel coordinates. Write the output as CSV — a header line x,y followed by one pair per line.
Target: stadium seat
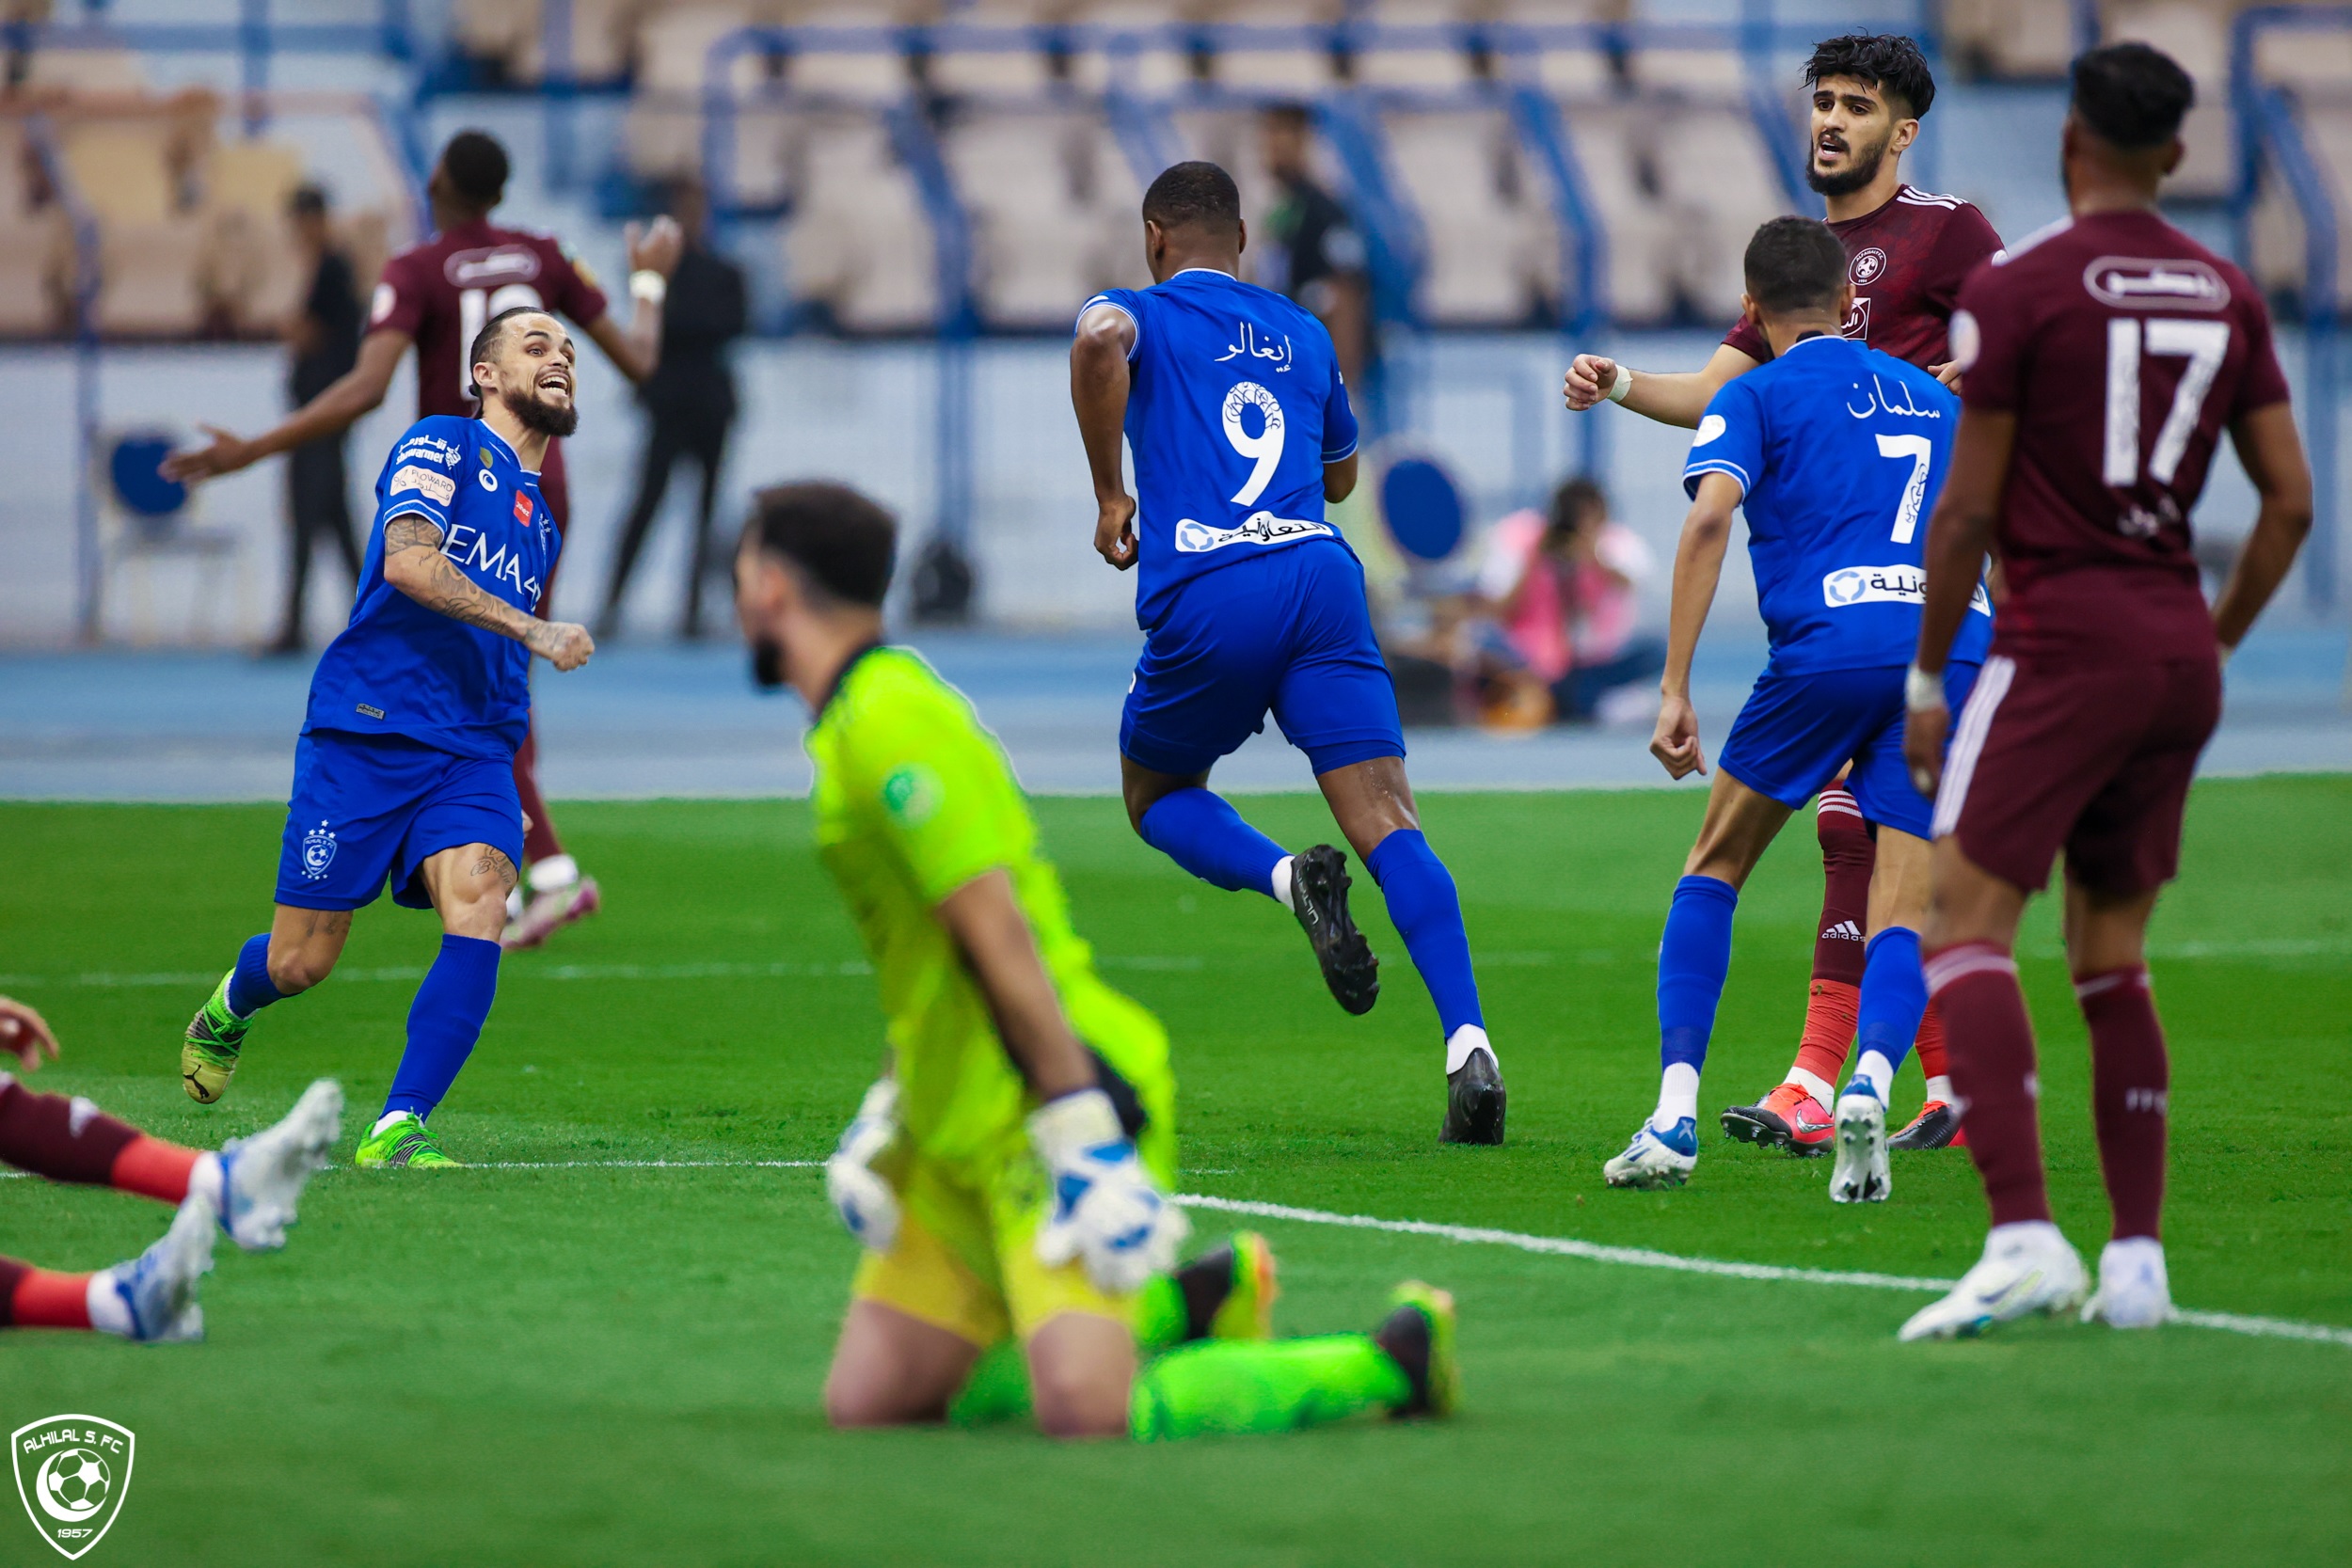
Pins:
x,y
2278,224
1720,182
254,272
1614,146
1052,206
151,249
1493,247
2012,38
859,243
2197,34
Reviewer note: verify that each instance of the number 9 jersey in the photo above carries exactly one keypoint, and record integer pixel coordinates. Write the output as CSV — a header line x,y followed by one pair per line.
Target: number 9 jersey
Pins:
x,y
1234,405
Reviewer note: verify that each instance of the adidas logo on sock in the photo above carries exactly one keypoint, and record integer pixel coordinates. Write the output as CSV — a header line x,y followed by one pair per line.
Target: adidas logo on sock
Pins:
x,y
1845,930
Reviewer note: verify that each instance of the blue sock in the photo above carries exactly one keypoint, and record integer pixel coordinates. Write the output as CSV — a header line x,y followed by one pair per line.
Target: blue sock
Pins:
x,y
249,985
1428,915
444,1021
1894,994
1693,959
1204,834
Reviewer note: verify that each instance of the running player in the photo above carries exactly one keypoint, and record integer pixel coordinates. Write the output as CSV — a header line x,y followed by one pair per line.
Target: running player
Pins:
x,y
1009,1174
436,296
249,1189
1908,251
1233,402
405,765
1834,449
2104,358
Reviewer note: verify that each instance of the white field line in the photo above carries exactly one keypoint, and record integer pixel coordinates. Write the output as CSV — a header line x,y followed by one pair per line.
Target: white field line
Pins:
x,y
394,973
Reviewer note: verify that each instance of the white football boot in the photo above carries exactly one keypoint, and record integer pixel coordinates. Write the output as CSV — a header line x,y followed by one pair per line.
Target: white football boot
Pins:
x,y
1656,1159
2134,1292
2027,1268
157,1288
1860,1175
261,1177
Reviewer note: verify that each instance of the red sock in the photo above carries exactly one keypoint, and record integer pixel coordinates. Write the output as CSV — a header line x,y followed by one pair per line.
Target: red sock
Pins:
x,y
2130,1083
540,842
1975,983
1934,1060
36,1298
1834,999
1831,1007
64,1140
153,1168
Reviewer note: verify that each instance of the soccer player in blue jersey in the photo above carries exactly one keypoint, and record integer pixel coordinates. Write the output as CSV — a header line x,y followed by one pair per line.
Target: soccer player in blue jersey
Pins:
x,y
1836,451
404,770
1230,397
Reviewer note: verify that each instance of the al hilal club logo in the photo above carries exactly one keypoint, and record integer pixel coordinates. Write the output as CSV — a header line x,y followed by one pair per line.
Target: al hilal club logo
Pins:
x,y
72,1472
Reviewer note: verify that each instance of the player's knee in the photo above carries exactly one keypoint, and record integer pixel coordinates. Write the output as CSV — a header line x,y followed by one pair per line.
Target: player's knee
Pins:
x,y
296,967
1076,1404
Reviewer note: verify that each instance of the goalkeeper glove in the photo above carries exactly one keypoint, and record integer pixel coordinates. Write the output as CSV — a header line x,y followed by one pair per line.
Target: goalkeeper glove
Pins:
x,y
867,1206
1106,1212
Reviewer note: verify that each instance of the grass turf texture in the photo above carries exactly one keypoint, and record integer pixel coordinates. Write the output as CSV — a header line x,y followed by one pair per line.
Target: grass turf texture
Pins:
x,y
613,1365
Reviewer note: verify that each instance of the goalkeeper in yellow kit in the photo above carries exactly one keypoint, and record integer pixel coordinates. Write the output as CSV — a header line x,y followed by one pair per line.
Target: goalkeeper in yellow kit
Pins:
x,y
1008,1176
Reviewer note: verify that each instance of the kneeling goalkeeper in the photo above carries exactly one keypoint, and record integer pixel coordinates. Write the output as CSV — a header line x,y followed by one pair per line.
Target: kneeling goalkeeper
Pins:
x,y
1010,1177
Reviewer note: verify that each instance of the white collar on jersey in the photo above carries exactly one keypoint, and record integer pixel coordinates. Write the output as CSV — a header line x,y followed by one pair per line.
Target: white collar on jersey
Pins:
x,y
1218,271
514,456
1816,337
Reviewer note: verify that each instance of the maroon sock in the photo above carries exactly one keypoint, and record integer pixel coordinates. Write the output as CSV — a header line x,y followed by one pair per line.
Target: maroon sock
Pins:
x,y
1848,857
1990,1043
64,1140
2130,1083
540,842
36,1298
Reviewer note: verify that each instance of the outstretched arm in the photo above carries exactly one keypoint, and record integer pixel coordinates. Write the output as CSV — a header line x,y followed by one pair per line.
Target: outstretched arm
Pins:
x,y
637,349
1958,537
1677,397
354,395
987,923
25,1034
2272,456
413,562
1098,392
1698,566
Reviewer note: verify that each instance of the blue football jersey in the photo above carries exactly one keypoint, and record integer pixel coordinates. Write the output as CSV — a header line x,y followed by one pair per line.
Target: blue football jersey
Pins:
x,y
1840,451
1234,404
401,669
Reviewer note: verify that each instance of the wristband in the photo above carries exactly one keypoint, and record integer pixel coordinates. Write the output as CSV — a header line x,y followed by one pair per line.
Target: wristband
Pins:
x,y
649,285
1922,692
1621,386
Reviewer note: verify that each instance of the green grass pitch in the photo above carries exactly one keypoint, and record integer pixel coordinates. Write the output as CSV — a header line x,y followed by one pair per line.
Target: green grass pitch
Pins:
x,y
616,1365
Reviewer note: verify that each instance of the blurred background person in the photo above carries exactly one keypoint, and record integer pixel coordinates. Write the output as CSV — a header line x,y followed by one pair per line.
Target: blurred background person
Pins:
x,y
1564,587
324,336
1311,249
690,404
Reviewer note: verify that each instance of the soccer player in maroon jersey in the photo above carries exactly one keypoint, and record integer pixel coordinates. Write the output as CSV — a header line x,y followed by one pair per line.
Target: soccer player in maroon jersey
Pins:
x,y
436,296
2104,358
1907,252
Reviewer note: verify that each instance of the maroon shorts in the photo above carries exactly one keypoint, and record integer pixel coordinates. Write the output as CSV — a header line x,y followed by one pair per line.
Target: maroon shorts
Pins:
x,y
2095,759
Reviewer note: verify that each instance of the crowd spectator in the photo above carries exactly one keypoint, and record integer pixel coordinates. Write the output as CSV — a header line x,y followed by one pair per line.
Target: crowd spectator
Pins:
x,y
1562,588
1312,251
323,337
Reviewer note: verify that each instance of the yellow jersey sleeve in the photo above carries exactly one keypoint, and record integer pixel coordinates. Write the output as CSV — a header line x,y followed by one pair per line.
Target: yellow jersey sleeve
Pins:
x,y
933,783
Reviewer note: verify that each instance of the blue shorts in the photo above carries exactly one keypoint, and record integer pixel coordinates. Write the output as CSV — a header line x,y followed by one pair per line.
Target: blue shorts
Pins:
x,y
367,809
1286,630
1795,732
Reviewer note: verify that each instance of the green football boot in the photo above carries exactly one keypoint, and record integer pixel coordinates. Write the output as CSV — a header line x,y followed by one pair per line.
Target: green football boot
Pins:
x,y
404,1143
1419,1335
208,1052
1247,1310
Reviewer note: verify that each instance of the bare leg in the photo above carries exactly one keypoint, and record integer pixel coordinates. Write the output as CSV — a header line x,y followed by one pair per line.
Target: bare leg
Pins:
x,y
1083,1370
891,1369
305,946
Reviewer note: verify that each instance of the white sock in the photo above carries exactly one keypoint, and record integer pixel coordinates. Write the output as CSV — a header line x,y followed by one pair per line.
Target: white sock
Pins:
x,y
553,873
1678,1097
1940,1087
1813,1084
205,1178
387,1120
1876,1071
2019,1234
108,1312
1281,881
1460,1044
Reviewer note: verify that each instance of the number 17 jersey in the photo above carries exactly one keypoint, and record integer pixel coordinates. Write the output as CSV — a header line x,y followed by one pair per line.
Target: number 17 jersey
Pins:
x,y
1234,404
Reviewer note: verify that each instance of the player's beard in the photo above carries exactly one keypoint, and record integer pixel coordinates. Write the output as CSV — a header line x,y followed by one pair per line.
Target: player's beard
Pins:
x,y
1861,168
548,418
767,664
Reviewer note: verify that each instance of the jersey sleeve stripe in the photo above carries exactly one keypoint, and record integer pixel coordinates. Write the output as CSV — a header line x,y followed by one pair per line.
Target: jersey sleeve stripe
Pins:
x,y
1342,456
414,509
1718,465
1108,303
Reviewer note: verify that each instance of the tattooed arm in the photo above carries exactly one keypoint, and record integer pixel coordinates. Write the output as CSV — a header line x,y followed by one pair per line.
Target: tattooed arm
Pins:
x,y
413,562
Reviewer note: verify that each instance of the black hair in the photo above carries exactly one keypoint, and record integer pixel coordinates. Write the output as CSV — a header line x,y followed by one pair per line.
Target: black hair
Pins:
x,y
843,543
1794,264
1292,113
2132,96
1193,193
307,201
1890,62
485,341
1576,500
477,167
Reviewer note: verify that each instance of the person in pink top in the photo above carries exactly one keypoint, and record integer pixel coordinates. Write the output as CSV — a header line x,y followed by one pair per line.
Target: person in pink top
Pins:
x,y
1564,585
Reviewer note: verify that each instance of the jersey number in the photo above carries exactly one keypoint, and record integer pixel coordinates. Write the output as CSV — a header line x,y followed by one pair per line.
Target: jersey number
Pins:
x,y
1922,454
2205,344
475,306
1265,448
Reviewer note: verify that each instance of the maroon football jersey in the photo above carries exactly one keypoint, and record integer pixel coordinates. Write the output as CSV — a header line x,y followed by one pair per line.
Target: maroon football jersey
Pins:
x,y
2125,348
1907,261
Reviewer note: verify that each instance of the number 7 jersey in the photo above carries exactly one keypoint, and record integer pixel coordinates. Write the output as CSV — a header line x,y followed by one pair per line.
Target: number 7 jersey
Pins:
x,y
2124,348
1234,404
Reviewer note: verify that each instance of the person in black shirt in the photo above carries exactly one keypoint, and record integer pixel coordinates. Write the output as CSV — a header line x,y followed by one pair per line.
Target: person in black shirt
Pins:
x,y
1317,255
325,337
691,400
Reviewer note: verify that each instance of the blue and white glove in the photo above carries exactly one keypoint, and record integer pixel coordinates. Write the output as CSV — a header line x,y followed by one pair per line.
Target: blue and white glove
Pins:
x,y
1106,1210
867,1206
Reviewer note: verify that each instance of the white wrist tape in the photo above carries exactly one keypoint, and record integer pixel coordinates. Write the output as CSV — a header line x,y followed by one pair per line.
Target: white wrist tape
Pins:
x,y
1922,692
649,285
1622,386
